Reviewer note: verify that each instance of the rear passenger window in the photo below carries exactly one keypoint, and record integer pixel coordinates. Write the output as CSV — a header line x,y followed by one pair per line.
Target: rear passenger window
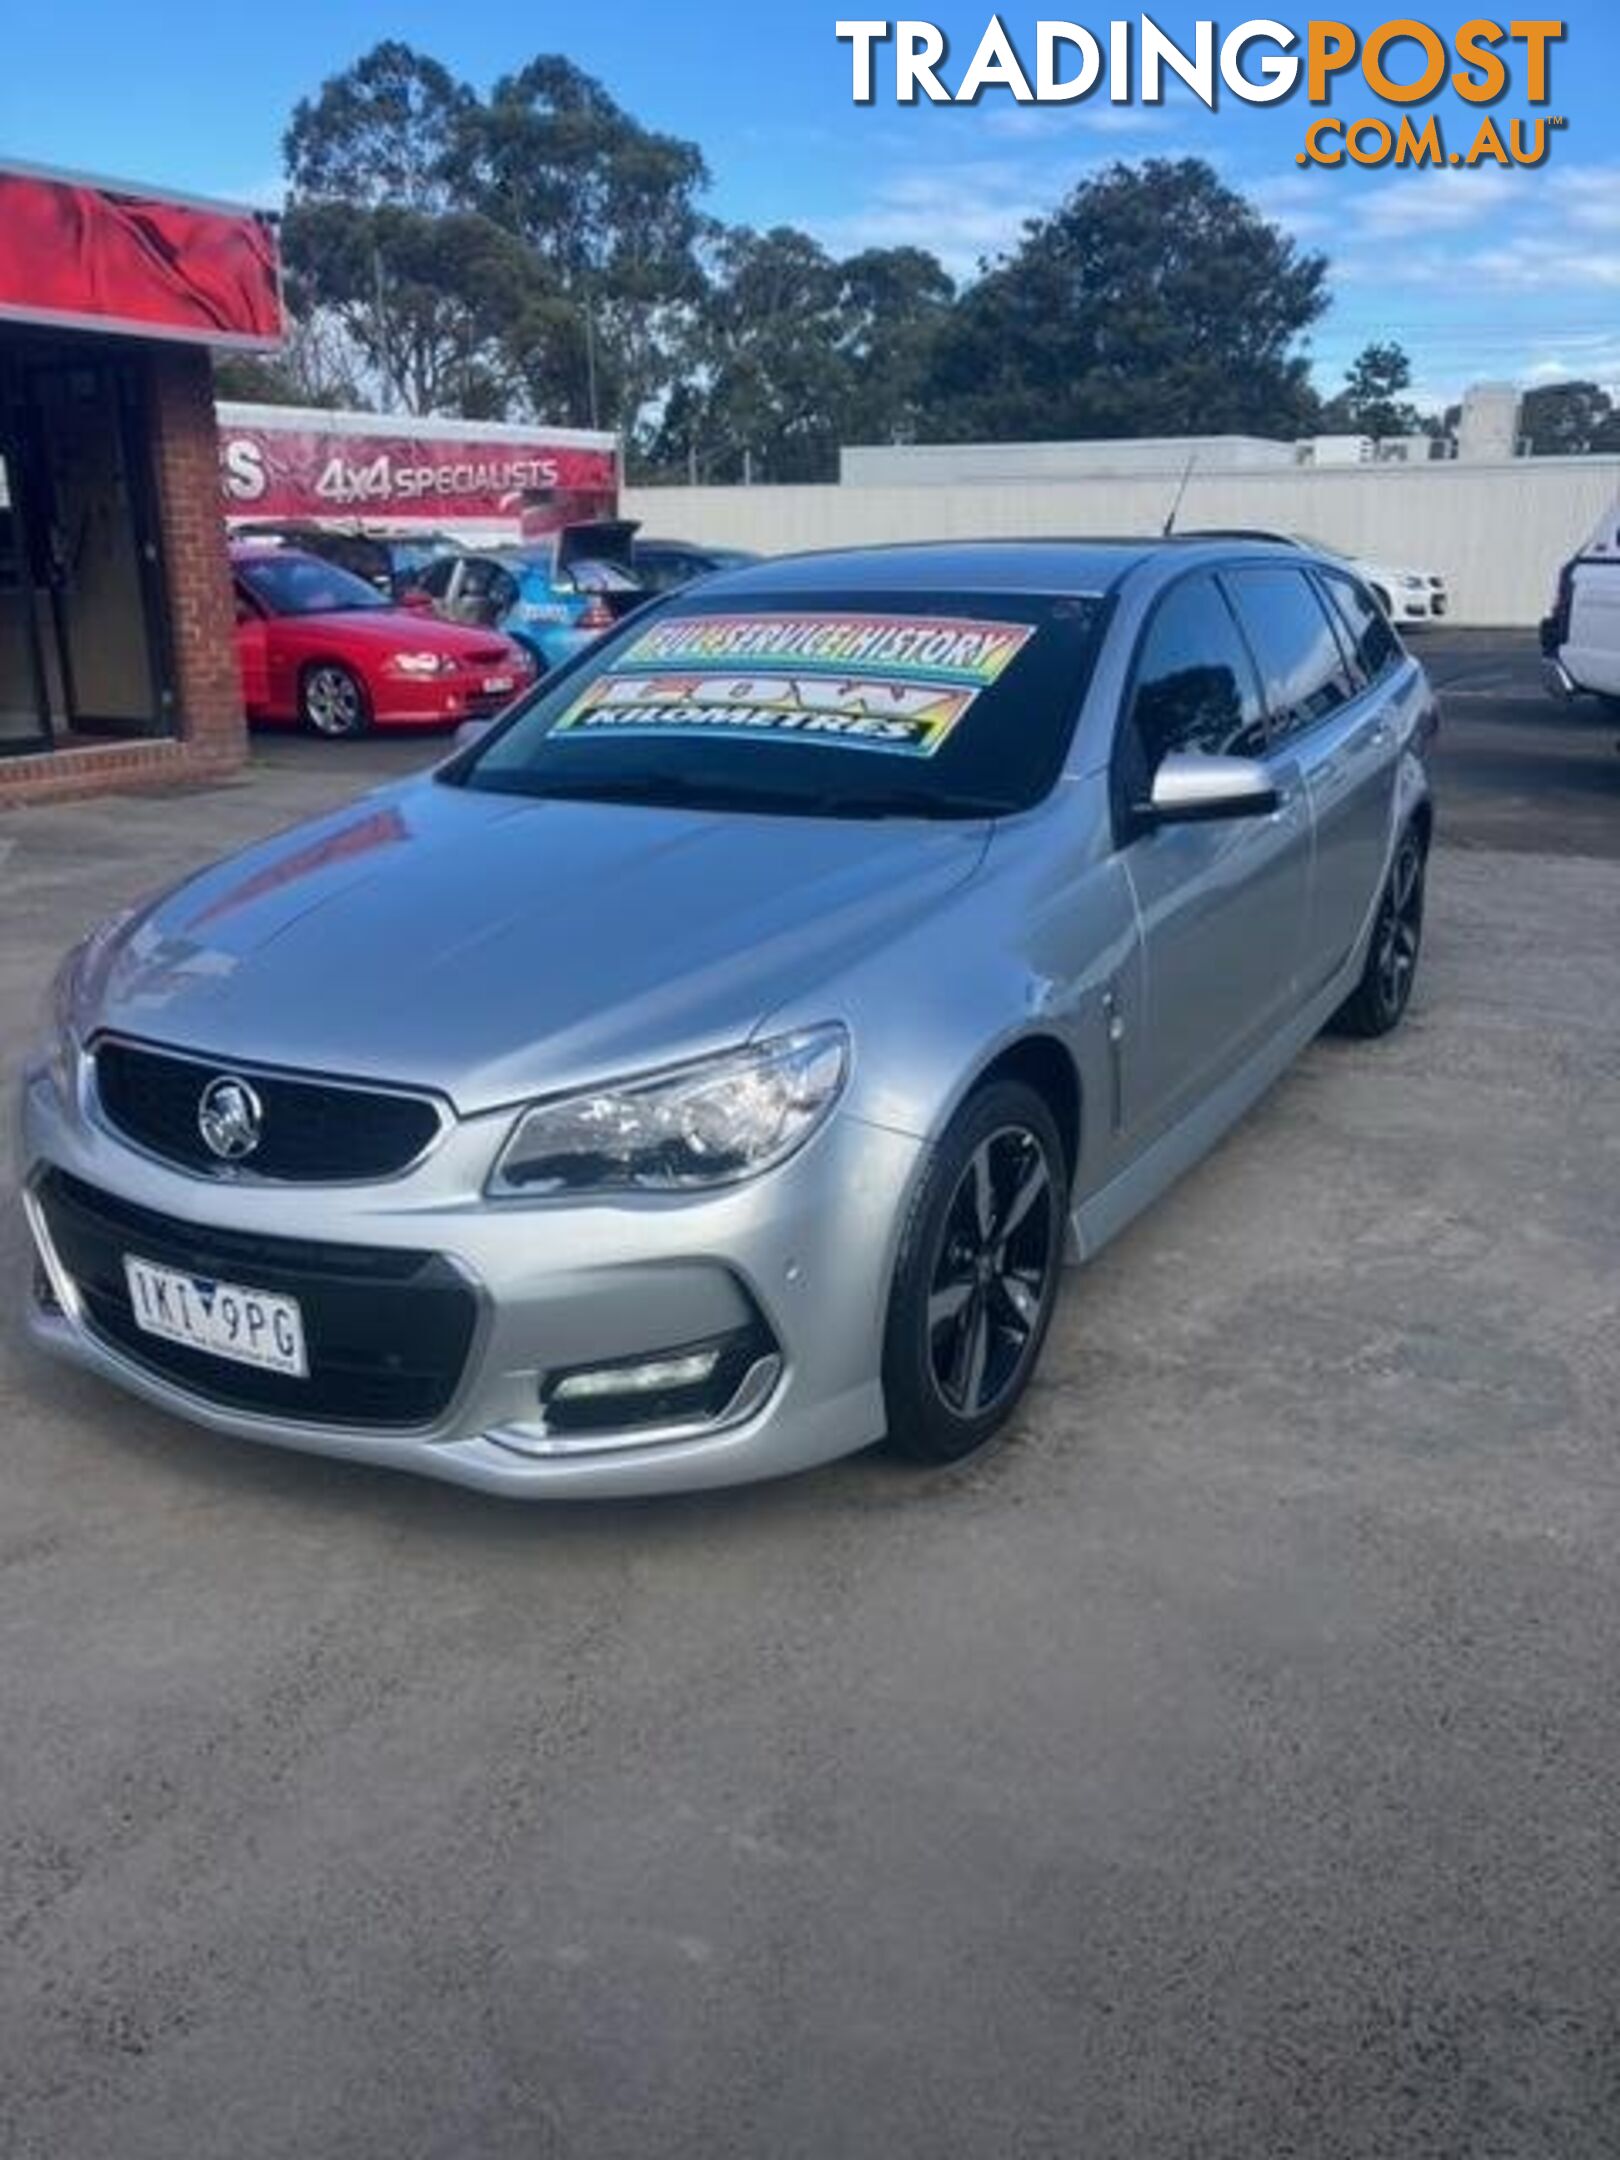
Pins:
x,y
1300,661
1195,687
1367,631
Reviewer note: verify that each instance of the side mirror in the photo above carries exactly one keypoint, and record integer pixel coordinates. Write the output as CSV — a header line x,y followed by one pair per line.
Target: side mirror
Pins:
x,y
1189,788
470,732
418,601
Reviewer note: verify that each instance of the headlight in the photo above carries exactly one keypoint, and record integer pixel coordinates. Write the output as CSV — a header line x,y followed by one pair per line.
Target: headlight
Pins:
x,y
1414,584
58,1021
59,1042
421,663
713,1123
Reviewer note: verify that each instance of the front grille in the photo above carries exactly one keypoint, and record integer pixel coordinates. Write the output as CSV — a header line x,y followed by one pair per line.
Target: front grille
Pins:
x,y
491,656
387,1331
314,1131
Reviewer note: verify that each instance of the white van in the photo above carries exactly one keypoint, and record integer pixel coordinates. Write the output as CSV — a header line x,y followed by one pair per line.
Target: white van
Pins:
x,y
1580,639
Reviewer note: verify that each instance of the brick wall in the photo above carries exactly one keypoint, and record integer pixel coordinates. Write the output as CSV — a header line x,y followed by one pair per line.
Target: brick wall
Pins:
x,y
211,735
202,616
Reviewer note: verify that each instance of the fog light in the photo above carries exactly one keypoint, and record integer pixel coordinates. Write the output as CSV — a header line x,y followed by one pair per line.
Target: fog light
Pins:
x,y
651,1377
683,1388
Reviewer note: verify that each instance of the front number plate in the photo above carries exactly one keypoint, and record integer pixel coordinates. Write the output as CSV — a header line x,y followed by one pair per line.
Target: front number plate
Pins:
x,y
250,1327
495,684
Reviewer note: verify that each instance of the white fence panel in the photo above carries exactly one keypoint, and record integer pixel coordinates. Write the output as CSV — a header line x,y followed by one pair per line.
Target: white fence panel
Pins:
x,y
1497,532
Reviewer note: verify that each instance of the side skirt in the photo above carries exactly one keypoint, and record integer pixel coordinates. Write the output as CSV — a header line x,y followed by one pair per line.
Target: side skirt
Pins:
x,y
1097,1219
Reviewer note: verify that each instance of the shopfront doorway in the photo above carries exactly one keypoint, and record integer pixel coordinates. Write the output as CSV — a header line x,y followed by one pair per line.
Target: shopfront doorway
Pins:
x,y
24,712
83,645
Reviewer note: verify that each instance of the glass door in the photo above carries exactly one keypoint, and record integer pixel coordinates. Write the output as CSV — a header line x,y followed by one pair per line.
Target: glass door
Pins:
x,y
24,712
97,520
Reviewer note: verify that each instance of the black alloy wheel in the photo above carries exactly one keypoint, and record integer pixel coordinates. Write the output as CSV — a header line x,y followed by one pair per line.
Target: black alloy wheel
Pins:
x,y
977,1276
1380,999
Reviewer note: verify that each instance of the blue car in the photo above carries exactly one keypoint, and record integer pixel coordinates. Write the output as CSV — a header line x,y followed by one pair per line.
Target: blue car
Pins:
x,y
555,595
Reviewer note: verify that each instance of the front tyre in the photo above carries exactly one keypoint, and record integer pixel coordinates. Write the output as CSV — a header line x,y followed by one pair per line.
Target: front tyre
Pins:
x,y
976,1277
1380,999
332,701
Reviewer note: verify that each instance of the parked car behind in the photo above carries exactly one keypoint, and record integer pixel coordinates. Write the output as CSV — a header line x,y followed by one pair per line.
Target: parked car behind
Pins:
x,y
1406,596
555,596
706,1072
1580,638
392,562
662,565
321,647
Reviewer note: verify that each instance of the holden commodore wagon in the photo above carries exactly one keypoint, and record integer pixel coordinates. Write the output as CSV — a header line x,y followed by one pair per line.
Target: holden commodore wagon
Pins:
x,y
707,1071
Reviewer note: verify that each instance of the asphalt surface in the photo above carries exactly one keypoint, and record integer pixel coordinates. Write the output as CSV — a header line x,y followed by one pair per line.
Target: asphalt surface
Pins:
x,y
1225,1768
1520,771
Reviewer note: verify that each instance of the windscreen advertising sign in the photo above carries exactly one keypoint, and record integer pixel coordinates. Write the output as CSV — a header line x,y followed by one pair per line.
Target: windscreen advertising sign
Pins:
x,y
900,683
89,254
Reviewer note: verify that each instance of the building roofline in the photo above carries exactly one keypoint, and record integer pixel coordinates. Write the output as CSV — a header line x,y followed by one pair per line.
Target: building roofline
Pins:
x,y
144,190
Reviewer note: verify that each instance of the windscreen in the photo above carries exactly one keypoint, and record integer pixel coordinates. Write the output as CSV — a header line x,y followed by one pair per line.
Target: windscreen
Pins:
x,y
305,585
852,704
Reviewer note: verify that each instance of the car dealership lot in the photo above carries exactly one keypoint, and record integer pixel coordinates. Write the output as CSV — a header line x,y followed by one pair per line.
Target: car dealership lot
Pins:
x,y
1223,1767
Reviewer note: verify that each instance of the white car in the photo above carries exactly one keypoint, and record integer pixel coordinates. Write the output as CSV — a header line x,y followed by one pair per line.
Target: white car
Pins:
x,y
1406,596
1580,639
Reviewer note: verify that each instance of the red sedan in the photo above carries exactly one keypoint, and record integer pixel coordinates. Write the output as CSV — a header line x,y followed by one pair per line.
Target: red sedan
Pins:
x,y
321,647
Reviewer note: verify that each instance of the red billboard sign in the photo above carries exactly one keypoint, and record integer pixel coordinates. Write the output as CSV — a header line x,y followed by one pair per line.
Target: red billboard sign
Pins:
x,y
361,469
89,254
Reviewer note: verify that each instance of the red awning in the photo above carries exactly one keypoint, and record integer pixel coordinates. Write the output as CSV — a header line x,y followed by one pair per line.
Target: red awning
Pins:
x,y
100,255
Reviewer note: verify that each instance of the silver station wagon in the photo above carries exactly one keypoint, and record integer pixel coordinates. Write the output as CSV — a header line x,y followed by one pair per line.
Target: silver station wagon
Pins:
x,y
707,1072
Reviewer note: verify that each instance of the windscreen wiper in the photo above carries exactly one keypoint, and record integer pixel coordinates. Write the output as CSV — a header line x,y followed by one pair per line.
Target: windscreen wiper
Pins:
x,y
674,791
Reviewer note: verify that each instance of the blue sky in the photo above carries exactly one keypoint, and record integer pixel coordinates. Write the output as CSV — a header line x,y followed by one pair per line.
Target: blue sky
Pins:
x,y
1480,274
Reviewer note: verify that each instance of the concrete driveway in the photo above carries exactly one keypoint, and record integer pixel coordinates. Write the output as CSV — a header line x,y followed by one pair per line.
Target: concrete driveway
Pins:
x,y
1226,1768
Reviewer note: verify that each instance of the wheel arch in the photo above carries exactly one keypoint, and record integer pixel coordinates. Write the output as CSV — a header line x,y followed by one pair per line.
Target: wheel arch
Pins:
x,y
351,667
311,663
1044,1062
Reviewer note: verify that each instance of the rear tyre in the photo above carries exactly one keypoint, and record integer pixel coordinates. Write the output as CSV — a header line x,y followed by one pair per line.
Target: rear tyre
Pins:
x,y
1380,999
976,1277
332,701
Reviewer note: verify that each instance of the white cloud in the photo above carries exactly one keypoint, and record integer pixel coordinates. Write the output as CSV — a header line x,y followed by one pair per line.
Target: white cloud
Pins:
x,y
1029,122
1427,201
962,213
1120,119
1528,262
262,194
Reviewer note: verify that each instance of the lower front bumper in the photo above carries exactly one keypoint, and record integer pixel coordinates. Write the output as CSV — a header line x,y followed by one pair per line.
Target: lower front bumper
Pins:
x,y
443,704
807,1249
1558,681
